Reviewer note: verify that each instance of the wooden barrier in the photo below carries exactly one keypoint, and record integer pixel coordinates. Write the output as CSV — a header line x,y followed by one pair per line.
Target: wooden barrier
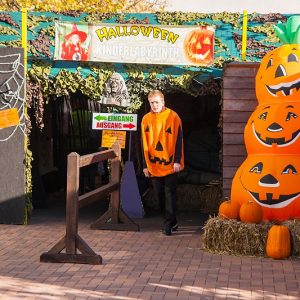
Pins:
x,y
114,218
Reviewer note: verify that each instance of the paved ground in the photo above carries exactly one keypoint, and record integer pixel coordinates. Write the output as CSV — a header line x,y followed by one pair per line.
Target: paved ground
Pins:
x,y
136,265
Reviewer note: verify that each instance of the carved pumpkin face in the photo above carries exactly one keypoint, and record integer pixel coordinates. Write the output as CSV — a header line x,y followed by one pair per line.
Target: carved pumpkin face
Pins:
x,y
278,77
199,46
273,182
274,129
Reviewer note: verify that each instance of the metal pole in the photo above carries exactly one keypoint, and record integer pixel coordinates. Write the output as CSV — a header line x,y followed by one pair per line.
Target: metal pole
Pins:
x,y
129,151
244,35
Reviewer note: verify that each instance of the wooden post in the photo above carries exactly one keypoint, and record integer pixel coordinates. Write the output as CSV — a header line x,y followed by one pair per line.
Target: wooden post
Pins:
x,y
72,202
71,241
115,218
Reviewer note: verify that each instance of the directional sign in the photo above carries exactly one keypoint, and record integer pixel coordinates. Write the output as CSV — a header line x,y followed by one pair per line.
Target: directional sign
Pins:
x,y
112,121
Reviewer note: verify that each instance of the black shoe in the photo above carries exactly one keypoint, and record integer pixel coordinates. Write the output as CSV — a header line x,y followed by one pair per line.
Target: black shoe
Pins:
x,y
174,226
167,230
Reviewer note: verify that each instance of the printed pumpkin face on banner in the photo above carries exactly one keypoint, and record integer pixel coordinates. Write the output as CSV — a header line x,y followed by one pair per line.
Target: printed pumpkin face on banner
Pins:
x,y
278,77
273,182
274,129
199,46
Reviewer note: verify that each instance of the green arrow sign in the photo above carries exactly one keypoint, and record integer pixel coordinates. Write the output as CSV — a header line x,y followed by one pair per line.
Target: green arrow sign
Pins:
x,y
100,118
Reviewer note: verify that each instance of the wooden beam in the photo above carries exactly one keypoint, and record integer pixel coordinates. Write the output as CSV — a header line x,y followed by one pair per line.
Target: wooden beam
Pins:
x,y
97,194
89,159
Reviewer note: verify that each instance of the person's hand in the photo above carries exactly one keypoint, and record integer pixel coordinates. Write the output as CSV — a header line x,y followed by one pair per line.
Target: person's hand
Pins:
x,y
177,167
146,172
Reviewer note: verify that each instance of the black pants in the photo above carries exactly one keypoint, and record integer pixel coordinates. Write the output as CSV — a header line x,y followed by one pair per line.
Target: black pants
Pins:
x,y
164,189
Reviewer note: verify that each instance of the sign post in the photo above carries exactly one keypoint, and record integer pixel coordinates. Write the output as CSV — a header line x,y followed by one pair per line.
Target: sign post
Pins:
x,y
115,124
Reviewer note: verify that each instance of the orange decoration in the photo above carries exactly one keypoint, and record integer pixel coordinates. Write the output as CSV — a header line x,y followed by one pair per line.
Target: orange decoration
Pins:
x,y
251,212
199,46
278,76
159,134
274,129
272,181
229,210
278,242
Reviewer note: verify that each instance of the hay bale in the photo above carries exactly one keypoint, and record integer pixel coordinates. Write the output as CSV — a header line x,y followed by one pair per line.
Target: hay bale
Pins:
x,y
238,238
190,197
294,227
234,237
203,198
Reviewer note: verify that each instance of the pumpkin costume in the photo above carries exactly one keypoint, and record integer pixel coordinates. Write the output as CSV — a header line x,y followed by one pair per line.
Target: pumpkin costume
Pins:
x,y
162,148
162,142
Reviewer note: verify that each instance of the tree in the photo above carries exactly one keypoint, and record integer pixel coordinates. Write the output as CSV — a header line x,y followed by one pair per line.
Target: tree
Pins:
x,y
85,5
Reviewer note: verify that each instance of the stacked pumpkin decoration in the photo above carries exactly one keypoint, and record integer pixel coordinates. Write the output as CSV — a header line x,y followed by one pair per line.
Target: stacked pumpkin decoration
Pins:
x,y
269,177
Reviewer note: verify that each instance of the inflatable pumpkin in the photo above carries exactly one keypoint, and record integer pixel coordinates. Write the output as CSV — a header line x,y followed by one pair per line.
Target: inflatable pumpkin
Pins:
x,y
199,46
160,137
274,129
272,181
278,76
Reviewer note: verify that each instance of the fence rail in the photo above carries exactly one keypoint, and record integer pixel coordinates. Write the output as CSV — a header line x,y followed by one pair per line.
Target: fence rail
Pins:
x,y
114,218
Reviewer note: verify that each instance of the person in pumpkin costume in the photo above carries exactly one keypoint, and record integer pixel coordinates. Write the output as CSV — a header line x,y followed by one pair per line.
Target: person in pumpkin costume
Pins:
x,y
72,46
163,157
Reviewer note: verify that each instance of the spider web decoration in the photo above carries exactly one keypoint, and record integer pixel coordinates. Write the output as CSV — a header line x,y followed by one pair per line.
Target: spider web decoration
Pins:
x,y
12,91
12,175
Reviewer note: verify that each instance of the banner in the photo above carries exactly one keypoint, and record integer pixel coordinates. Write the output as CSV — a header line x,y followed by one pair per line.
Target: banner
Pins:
x,y
135,43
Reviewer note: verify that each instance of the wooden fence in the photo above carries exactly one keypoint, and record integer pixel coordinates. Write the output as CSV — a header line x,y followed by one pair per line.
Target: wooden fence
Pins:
x,y
239,101
114,218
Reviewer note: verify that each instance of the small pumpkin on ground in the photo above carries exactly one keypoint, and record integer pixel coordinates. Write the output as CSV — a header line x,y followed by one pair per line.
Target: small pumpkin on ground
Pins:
x,y
229,210
278,242
251,212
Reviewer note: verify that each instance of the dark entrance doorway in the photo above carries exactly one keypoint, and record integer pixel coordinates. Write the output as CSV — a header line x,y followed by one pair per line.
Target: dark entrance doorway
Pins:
x,y
68,128
200,183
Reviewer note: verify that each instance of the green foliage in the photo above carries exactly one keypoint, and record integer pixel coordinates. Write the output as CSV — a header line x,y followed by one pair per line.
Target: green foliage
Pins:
x,y
34,21
50,31
14,44
178,18
28,185
266,29
96,17
234,19
4,30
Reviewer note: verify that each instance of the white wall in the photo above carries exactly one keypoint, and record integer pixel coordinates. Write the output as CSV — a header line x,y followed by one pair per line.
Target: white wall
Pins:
x,y
260,6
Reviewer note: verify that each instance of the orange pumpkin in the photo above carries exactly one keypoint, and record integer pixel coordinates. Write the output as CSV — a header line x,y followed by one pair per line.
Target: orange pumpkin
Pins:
x,y
278,242
278,76
159,134
229,210
199,46
251,212
274,129
273,182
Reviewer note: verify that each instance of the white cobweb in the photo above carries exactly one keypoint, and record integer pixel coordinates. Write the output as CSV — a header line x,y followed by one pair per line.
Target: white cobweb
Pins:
x,y
12,92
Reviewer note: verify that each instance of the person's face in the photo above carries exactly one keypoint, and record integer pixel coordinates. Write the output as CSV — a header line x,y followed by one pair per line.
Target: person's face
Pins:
x,y
75,39
156,103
